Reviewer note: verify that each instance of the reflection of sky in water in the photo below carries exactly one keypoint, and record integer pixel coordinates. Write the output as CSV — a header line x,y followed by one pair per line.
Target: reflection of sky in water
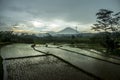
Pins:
x,y
42,68
19,50
95,66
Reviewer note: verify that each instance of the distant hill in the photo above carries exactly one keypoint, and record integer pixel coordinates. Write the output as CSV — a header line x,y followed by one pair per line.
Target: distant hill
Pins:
x,y
65,32
69,31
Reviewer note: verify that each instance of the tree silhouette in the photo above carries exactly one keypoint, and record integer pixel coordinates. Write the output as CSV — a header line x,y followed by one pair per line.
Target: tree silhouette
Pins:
x,y
109,24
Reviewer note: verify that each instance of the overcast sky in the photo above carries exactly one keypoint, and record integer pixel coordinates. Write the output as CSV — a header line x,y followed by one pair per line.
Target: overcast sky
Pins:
x,y
51,15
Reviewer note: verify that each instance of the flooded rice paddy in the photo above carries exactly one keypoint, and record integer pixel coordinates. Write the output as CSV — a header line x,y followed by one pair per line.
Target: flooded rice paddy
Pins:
x,y
37,68
42,68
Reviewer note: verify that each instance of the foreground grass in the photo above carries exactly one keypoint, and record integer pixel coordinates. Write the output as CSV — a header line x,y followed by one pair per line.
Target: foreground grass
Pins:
x,y
1,65
1,60
1,68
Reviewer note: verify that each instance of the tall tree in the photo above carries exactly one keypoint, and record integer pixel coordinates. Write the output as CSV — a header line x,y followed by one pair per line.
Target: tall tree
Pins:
x,y
109,24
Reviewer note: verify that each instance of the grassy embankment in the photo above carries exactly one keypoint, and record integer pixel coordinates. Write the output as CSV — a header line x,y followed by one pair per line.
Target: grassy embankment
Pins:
x,y
1,68
1,60
96,47
86,43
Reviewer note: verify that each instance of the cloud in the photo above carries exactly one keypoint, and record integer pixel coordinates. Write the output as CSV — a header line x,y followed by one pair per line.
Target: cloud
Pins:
x,y
48,11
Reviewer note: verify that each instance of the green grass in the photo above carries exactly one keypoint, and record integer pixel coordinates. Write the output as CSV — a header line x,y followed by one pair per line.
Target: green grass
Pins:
x,y
89,46
96,47
1,65
1,60
1,68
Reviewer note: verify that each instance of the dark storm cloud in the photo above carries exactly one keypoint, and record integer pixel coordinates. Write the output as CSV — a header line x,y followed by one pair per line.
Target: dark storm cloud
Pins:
x,y
81,11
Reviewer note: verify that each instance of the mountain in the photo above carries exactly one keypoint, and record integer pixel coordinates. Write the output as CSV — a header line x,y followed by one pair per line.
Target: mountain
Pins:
x,y
65,32
68,31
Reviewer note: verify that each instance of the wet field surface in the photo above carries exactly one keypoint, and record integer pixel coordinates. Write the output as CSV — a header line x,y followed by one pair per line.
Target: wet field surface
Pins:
x,y
37,68
42,68
50,67
18,50
102,69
